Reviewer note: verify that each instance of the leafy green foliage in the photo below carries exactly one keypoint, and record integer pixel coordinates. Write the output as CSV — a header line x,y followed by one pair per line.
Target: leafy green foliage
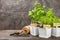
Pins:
x,y
49,18
40,15
37,12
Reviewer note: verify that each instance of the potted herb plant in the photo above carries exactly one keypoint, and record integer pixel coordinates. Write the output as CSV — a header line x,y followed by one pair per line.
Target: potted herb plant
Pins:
x,y
56,27
45,30
35,14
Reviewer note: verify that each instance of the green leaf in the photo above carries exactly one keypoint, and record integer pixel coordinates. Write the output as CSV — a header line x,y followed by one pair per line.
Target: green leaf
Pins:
x,y
30,13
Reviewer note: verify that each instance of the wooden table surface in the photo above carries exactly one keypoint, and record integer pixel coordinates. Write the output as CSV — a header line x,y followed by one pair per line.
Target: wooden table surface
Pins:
x,y
5,35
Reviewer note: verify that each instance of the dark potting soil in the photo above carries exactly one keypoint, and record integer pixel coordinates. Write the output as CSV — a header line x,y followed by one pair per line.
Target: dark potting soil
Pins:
x,y
39,25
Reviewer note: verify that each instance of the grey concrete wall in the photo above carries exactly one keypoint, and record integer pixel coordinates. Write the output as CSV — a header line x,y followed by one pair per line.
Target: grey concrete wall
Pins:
x,y
55,4
14,13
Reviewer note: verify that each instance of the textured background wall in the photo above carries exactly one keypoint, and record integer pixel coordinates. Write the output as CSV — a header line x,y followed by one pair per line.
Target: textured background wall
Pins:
x,y
13,13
